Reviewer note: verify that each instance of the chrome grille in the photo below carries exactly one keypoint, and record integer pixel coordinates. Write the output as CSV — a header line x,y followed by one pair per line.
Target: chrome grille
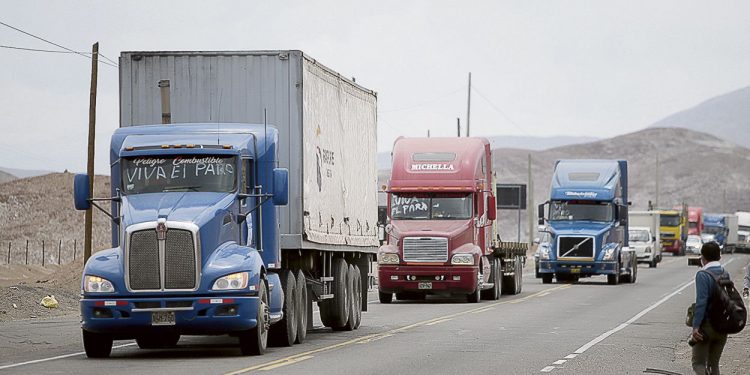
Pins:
x,y
179,256
168,264
575,247
143,261
425,249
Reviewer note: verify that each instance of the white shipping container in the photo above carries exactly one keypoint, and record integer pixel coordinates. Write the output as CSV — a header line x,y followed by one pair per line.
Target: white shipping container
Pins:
x,y
327,130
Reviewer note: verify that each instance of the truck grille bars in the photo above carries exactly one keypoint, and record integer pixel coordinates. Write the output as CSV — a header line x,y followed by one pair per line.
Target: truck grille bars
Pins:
x,y
425,249
576,247
154,264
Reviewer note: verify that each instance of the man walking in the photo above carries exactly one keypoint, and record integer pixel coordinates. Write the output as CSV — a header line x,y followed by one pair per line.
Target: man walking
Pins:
x,y
746,283
708,343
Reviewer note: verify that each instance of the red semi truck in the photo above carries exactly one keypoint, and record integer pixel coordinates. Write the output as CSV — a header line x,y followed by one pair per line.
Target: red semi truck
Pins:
x,y
442,235
695,221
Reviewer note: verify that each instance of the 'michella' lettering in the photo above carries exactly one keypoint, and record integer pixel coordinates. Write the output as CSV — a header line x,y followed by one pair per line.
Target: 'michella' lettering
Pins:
x,y
432,167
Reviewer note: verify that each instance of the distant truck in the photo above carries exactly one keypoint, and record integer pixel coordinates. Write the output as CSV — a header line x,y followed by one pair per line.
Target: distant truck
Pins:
x,y
588,223
724,228
644,236
442,235
258,200
695,221
743,230
674,230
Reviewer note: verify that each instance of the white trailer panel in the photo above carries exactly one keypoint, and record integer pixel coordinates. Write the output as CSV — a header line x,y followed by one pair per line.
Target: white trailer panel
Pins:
x,y
327,130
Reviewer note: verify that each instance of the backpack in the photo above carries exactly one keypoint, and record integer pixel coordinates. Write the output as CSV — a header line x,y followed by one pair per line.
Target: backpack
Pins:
x,y
726,311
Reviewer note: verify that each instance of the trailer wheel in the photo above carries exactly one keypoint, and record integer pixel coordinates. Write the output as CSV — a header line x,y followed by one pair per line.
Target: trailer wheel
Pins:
x,y
519,275
334,312
354,300
385,297
96,345
157,342
547,278
255,340
284,332
303,304
512,283
360,293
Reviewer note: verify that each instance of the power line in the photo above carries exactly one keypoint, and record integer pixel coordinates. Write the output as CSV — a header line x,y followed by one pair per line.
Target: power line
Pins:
x,y
37,50
55,44
500,111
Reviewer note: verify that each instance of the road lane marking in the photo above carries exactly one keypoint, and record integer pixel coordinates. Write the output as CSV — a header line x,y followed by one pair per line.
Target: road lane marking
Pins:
x,y
437,322
559,362
290,362
56,357
378,336
483,310
630,321
571,356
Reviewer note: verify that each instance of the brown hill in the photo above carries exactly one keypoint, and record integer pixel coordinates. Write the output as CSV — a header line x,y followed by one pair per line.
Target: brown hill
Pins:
x,y
6,177
41,208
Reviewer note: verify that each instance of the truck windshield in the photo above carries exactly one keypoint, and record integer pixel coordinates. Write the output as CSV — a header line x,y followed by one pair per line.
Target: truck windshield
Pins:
x,y
638,235
431,206
669,220
156,174
581,210
713,230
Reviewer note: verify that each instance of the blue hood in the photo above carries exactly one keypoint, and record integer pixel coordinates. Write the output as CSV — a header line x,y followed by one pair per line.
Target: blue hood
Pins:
x,y
580,227
193,207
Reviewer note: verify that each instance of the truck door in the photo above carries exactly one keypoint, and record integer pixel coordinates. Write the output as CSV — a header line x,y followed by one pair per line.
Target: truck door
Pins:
x,y
249,230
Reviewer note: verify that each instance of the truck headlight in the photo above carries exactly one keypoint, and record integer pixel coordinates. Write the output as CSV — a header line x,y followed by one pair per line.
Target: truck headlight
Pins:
x,y
462,259
388,258
544,253
648,250
609,254
96,284
232,281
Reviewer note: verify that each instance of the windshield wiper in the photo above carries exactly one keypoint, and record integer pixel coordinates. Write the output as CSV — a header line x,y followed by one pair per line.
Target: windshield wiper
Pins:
x,y
177,188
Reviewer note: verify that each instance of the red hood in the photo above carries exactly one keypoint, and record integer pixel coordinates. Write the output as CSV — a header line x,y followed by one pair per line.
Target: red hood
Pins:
x,y
433,228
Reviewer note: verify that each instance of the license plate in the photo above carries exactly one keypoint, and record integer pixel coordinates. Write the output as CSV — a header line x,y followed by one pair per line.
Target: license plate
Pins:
x,y
425,285
162,318
575,270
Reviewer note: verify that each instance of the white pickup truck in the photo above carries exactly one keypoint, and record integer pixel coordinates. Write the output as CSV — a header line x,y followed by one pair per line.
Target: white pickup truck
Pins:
x,y
644,236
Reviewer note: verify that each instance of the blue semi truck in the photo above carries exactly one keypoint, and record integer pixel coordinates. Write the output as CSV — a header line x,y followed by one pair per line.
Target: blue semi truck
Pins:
x,y
587,223
723,228
246,196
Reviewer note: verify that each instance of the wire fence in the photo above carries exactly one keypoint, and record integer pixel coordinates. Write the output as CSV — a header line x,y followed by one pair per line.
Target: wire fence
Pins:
x,y
41,252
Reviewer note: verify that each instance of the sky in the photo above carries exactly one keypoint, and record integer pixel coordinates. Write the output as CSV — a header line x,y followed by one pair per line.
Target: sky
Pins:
x,y
539,68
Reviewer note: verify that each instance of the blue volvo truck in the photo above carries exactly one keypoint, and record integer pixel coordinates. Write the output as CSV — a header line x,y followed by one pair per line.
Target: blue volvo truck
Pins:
x,y
588,223
243,190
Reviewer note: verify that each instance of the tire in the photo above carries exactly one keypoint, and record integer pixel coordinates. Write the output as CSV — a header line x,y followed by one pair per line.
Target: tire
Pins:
x,y
537,274
614,279
334,312
157,342
96,345
303,305
360,292
255,340
654,261
519,275
353,299
634,272
385,297
547,278
284,332
494,293
474,297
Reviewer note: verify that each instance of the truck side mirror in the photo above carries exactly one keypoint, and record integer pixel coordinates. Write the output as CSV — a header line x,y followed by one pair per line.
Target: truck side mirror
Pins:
x,y
280,186
540,214
491,208
381,233
622,214
81,192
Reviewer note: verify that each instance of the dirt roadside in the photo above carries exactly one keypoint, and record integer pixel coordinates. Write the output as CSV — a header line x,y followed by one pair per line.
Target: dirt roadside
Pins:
x,y
23,287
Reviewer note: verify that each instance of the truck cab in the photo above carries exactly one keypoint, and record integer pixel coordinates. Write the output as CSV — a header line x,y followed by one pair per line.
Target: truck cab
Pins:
x,y
588,222
673,230
194,240
695,221
441,212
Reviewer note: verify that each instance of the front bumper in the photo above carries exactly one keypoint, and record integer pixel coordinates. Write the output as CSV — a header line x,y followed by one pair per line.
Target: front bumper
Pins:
x,y
467,278
126,318
579,268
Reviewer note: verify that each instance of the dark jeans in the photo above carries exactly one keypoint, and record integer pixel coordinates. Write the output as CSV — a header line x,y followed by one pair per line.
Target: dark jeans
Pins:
x,y
706,353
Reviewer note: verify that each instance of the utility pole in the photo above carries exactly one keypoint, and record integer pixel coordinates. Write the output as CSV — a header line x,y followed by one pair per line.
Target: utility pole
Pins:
x,y
656,200
458,126
428,133
90,164
530,205
468,109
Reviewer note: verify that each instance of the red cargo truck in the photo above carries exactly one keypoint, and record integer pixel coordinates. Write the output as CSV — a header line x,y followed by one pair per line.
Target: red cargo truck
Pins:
x,y
442,236
695,221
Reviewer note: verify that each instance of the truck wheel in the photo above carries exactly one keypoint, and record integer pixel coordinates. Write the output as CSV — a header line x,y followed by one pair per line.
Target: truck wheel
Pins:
x,y
302,307
158,341
614,279
385,297
354,300
361,293
474,297
97,345
652,263
284,332
633,271
497,279
519,275
255,340
336,309
547,278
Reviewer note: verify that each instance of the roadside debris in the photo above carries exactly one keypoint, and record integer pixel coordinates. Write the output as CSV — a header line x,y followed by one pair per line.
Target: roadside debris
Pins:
x,y
49,302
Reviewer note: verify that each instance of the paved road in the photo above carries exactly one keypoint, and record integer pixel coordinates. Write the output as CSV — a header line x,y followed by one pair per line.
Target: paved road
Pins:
x,y
584,328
